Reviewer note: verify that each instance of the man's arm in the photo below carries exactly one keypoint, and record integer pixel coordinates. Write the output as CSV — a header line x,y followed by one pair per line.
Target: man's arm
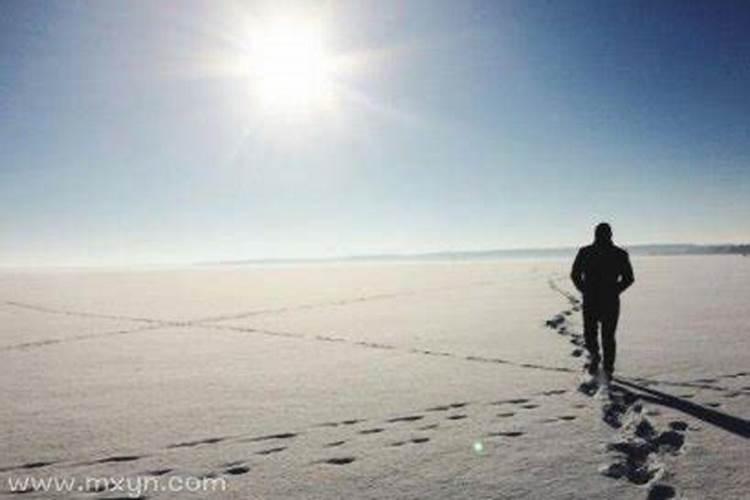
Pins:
x,y
576,273
626,278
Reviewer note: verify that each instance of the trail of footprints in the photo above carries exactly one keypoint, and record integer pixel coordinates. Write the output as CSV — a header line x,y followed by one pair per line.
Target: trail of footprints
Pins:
x,y
639,446
424,426
155,324
441,416
214,321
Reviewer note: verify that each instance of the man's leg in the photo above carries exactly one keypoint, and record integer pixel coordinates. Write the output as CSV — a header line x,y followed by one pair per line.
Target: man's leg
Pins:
x,y
610,316
590,336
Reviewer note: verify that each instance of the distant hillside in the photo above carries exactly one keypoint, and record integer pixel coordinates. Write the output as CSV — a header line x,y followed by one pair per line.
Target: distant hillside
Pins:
x,y
661,249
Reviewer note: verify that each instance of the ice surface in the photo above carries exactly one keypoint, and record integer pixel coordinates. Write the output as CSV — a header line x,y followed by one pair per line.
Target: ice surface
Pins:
x,y
419,380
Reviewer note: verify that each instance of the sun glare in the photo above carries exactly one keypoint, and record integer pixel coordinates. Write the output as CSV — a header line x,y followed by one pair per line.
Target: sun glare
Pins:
x,y
291,70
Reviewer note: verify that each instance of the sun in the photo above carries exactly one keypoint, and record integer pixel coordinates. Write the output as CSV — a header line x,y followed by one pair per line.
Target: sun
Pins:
x,y
291,70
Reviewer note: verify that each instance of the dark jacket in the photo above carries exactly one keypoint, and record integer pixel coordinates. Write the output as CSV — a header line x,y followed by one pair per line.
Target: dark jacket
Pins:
x,y
602,271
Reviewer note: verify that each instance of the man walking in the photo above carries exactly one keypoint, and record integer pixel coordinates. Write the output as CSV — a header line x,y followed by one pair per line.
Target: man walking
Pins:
x,y
601,272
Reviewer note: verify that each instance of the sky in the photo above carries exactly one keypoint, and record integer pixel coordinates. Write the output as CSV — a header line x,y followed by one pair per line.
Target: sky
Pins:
x,y
136,132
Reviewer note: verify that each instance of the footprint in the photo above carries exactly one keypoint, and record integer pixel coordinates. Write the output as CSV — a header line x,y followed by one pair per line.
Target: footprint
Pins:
x,y
329,339
141,497
678,425
506,434
237,470
418,440
660,491
456,417
447,407
553,392
529,406
338,460
374,430
555,322
26,489
333,444
635,462
510,401
199,442
374,345
439,408
635,472
576,353
612,414
506,414
429,427
713,404
498,361
158,472
29,465
117,459
36,465
588,388
567,417
343,422
270,451
352,421
269,437
670,441
411,418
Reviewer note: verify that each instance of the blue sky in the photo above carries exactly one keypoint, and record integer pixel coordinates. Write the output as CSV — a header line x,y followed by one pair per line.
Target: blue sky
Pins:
x,y
465,125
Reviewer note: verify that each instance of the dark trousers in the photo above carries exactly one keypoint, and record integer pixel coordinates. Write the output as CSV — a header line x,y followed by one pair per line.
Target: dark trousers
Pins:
x,y
604,312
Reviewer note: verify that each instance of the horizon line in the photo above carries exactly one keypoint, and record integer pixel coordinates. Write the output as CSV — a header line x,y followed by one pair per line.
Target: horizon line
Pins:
x,y
640,249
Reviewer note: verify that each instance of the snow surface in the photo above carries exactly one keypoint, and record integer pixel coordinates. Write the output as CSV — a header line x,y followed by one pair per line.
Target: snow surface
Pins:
x,y
412,380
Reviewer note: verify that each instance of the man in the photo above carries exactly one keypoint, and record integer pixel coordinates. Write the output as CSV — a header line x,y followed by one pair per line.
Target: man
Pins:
x,y
601,272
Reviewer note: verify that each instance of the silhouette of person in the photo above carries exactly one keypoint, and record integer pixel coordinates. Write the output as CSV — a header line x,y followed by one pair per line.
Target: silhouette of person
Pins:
x,y
601,272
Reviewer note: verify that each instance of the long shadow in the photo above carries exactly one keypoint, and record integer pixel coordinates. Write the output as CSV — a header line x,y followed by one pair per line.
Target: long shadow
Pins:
x,y
692,385
735,425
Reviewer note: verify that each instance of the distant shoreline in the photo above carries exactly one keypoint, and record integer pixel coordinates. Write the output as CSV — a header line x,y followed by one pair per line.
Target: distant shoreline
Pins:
x,y
656,250
471,255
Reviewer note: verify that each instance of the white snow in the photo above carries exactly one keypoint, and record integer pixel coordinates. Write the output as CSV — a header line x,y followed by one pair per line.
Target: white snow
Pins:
x,y
418,380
